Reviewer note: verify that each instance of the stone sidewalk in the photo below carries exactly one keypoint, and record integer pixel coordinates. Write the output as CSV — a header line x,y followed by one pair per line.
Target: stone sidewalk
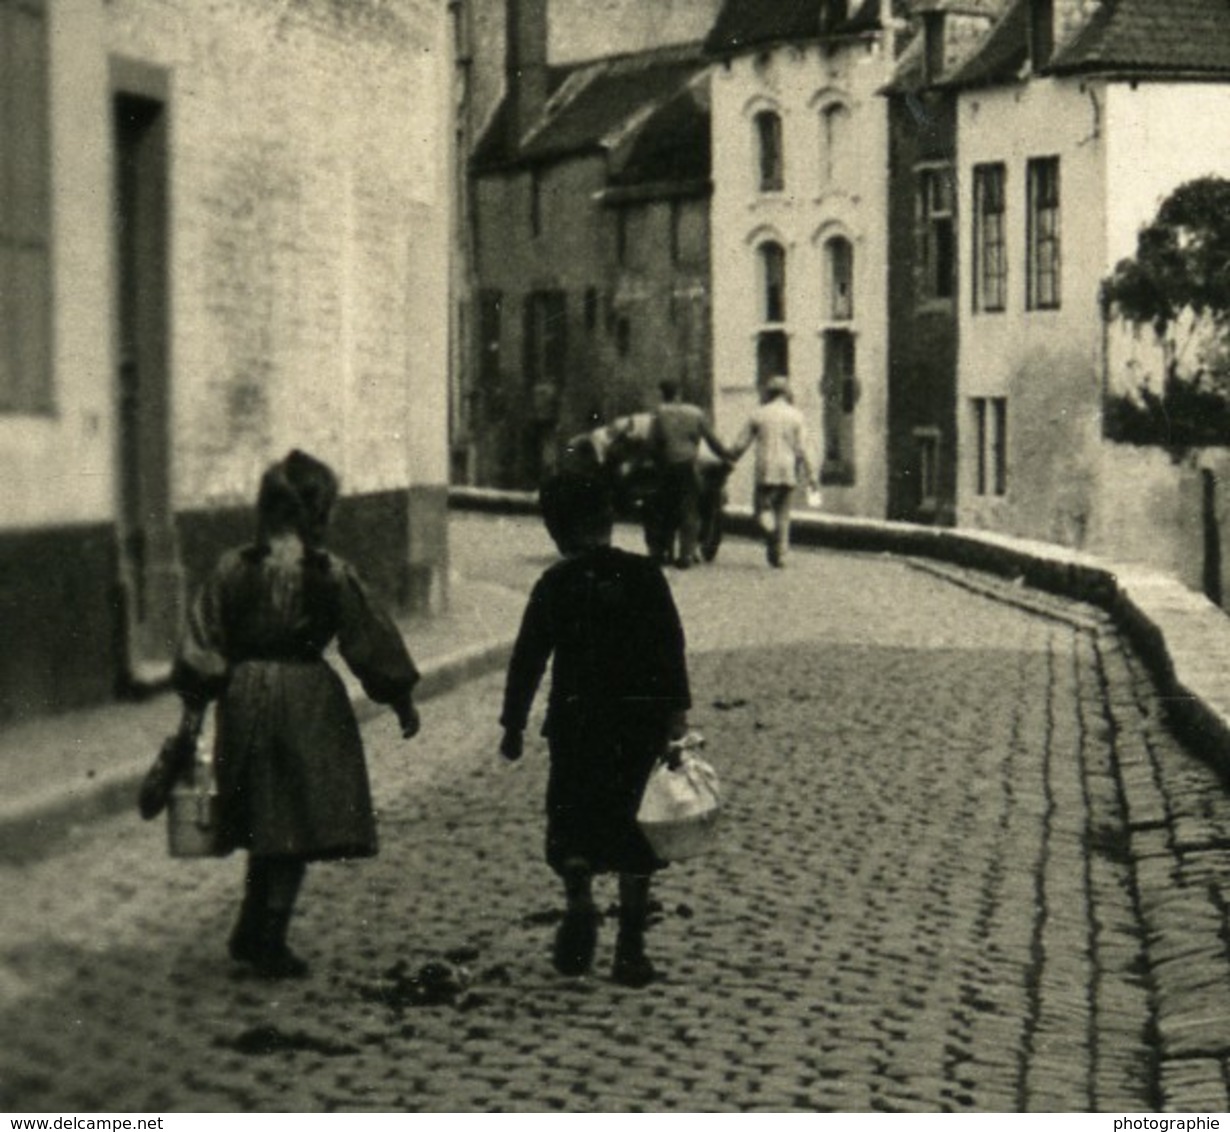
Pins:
x,y
60,772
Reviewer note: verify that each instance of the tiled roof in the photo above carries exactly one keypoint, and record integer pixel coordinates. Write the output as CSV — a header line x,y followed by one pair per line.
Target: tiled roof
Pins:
x,y
1162,37
744,25
673,144
1175,36
610,103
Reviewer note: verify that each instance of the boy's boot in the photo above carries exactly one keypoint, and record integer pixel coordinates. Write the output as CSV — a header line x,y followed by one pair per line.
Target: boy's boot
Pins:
x,y
632,967
577,936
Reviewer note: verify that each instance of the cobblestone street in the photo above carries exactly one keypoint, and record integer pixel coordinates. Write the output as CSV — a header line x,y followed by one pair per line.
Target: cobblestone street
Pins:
x,y
964,868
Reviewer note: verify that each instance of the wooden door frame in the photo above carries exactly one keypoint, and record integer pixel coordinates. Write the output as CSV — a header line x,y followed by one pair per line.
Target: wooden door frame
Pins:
x,y
150,573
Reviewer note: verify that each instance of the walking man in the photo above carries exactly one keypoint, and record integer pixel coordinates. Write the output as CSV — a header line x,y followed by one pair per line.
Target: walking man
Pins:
x,y
777,429
678,430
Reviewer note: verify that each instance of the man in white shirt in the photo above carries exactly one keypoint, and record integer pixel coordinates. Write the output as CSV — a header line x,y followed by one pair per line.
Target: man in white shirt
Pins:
x,y
777,429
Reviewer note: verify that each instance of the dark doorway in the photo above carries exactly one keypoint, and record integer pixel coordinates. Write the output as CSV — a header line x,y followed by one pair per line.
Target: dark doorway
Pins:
x,y
150,574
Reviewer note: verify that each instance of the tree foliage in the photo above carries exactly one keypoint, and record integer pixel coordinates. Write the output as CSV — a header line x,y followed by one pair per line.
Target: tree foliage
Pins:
x,y
1178,284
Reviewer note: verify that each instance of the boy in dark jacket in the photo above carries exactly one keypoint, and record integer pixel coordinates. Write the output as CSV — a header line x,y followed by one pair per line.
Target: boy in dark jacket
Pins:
x,y
619,694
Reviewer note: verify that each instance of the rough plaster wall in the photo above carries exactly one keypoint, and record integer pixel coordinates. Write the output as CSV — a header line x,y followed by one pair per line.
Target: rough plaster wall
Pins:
x,y
308,227
1054,437
584,29
1145,511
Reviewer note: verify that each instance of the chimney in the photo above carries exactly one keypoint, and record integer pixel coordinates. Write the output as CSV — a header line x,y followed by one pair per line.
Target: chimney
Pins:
x,y
525,66
1041,33
934,44
833,13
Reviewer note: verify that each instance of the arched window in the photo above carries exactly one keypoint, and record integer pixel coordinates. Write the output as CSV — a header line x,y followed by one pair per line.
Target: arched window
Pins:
x,y
772,355
773,281
835,148
769,150
839,271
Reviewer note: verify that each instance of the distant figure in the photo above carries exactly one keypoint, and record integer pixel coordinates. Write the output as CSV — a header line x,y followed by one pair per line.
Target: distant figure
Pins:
x,y
619,694
292,780
777,429
679,429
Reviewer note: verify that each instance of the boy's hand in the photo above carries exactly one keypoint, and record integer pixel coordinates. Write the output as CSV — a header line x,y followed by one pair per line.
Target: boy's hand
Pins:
x,y
410,721
512,745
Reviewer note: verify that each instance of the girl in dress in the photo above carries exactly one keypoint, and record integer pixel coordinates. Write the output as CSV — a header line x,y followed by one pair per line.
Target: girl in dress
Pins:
x,y
292,778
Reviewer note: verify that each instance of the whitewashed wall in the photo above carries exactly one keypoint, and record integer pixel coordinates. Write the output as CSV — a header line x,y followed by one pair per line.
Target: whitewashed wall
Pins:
x,y
799,82
58,468
310,248
1046,362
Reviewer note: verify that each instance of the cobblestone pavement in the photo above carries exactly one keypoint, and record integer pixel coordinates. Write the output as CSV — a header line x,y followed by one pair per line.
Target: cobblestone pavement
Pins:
x,y
965,868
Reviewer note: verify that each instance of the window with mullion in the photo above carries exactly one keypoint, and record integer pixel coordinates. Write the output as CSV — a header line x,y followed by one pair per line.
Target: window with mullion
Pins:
x,y
990,262
991,441
773,281
1043,261
934,239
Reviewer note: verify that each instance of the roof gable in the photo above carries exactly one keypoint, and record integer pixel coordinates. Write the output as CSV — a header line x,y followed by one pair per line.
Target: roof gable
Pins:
x,y
643,107
1178,36
1144,37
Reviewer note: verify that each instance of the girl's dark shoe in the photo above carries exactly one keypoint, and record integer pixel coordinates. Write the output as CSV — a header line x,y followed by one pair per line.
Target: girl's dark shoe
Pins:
x,y
280,963
245,944
575,941
259,940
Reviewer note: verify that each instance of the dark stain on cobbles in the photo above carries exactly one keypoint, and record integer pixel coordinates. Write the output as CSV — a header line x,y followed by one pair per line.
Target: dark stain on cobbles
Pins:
x,y
438,983
261,1041
1110,842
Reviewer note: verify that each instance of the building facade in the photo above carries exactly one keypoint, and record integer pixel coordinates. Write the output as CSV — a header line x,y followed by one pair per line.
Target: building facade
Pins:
x,y
1075,120
798,229
223,234
923,264
590,194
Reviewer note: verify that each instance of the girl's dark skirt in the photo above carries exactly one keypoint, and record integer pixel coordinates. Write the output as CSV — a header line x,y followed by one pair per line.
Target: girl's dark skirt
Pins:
x,y
292,779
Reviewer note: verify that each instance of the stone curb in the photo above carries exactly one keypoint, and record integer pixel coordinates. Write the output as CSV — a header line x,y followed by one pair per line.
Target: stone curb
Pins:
x,y
1182,636
39,824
